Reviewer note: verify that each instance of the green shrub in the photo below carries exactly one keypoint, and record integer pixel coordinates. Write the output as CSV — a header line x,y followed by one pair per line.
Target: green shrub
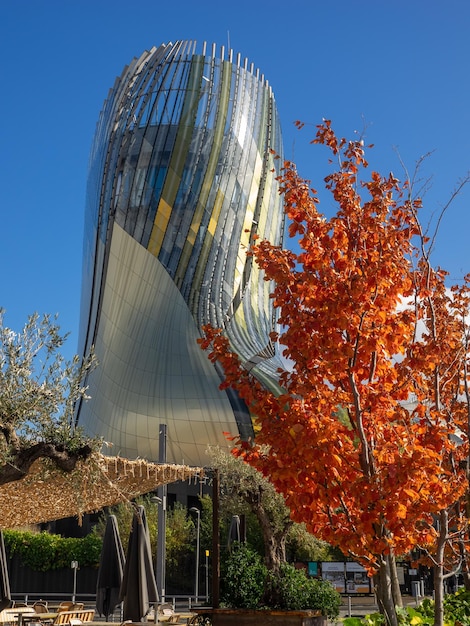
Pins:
x,y
457,607
324,597
45,551
247,584
291,589
287,589
242,585
374,619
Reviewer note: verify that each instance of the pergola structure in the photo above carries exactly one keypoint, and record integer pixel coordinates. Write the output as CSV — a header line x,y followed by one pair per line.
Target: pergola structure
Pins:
x,y
47,493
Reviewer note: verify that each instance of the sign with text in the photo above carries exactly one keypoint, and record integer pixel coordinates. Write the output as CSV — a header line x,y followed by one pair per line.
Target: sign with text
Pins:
x,y
334,572
357,580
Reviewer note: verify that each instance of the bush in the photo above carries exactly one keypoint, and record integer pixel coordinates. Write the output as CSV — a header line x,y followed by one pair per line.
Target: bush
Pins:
x,y
457,607
291,589
242,586
247,584
45,551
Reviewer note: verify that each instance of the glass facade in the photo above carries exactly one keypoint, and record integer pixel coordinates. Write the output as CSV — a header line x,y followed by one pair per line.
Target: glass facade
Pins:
x,y
181,178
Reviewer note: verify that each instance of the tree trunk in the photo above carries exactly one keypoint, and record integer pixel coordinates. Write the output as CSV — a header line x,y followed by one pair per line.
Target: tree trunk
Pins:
x,y
438,595
396,591
465,571
439,569
275,549
384,592
274,541
464,564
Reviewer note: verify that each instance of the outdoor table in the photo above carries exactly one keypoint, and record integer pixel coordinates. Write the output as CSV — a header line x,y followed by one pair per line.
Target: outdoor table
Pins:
x,y
36,617
17,613
13,615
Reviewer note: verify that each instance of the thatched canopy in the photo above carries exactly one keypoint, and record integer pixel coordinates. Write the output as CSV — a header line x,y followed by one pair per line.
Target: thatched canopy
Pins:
x,y
47,493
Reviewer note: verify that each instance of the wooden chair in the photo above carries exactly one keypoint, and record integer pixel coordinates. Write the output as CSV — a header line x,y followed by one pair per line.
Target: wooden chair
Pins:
x,y
66,617
165,613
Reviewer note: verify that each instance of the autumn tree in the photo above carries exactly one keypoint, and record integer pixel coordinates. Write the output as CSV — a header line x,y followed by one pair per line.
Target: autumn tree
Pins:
x,y
361,441
38,392
443,388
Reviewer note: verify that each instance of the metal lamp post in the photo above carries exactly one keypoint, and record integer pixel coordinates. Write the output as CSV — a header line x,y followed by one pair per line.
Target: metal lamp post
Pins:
x,y
161,500
74,566
160,556
195,510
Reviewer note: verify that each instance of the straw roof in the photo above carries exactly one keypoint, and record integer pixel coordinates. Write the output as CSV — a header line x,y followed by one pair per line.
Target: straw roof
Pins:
x,y
47,493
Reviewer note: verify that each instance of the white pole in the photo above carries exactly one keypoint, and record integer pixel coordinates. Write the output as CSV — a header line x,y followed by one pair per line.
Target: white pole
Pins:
x,y
74,566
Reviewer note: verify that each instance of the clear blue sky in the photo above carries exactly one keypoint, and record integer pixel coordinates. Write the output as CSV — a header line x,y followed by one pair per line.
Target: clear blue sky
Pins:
x,y
400,68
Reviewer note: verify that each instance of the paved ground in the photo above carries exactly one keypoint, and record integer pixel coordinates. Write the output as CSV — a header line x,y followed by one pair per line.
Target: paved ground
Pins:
x,y
359,606
352,606
363,605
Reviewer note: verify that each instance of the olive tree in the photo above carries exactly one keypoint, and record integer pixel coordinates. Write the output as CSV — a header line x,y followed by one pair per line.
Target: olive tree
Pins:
x,y
244,490
38,392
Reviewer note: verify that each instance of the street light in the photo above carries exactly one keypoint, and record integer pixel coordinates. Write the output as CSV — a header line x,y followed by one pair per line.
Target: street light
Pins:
x,y
193,509
161,500
74,566
160,555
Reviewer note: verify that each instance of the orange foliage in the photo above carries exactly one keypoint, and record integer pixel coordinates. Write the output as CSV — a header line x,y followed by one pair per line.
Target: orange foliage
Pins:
x,y
361,442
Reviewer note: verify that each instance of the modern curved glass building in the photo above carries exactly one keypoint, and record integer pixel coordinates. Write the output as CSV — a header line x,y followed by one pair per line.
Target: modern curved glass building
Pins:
x,y
181,178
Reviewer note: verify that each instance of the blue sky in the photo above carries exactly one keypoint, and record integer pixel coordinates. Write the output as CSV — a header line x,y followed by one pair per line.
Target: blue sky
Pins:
x,y
399,69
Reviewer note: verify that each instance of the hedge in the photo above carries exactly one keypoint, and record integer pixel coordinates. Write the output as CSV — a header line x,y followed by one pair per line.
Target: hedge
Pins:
x,y
45,551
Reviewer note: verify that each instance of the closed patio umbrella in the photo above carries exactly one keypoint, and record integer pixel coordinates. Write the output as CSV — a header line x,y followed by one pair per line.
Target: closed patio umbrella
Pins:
x,y
234,534
110,570
5,596
138,588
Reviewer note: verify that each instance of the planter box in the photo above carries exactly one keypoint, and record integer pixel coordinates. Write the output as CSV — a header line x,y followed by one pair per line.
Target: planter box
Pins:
x,y
248,617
